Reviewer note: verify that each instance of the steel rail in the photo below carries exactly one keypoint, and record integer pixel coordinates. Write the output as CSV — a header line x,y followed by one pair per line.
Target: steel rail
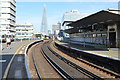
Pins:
x,y
91,64
38,73
80,69
63,73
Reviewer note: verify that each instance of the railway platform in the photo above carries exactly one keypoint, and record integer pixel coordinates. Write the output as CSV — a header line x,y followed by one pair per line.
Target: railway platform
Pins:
x,y
13,60
109,52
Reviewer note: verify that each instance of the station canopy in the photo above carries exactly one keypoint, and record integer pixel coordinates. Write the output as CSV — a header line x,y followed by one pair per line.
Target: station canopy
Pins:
x,y
104,16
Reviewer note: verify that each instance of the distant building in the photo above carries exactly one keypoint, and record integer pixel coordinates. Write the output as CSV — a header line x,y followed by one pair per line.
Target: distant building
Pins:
x,y
69,17
7,17
24,31
37,35
49,31
56,28
44,24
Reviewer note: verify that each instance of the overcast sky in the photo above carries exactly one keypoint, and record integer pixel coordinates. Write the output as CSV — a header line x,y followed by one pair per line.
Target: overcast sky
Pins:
x,y
32,11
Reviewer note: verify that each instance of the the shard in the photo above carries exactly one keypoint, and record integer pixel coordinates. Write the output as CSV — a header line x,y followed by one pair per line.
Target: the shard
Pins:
x,y
44,27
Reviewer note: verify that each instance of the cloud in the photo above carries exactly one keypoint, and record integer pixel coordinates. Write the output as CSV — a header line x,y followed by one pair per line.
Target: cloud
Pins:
x,y
67,0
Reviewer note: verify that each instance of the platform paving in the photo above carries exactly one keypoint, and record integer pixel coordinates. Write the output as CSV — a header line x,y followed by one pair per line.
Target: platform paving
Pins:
x,y
14,46
17,64
107,52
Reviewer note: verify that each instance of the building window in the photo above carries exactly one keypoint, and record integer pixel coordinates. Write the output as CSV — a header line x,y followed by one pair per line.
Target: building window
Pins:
x,y
112,29
19,34
94,35
104,35
98,35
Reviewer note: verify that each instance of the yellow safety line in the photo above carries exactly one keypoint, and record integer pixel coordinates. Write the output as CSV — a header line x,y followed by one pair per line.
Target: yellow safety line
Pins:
x,y
8,67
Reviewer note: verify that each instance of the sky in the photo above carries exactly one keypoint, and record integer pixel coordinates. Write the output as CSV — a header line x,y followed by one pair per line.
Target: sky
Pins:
x,y
67,0
31,12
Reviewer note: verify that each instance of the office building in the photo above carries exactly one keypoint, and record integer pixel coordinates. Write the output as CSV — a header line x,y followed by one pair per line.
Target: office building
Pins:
x,y
24,31
56,28
44,24
69,17
7,17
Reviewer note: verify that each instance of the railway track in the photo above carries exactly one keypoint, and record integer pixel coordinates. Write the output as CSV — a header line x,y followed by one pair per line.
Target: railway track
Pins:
x,y
110,74
63,67
64,74
35,64
78,68
59,66
42,67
